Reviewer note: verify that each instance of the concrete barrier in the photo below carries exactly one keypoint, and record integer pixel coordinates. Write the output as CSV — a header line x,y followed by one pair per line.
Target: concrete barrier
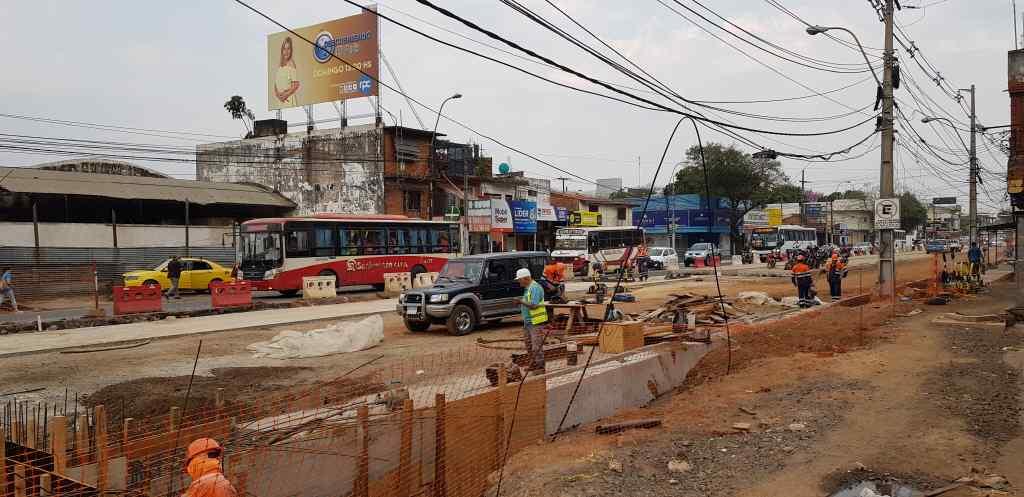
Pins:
x,y
424,280
318,287
397,282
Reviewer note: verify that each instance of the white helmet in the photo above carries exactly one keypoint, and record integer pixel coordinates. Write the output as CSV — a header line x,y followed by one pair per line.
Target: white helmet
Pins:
x,y
523,273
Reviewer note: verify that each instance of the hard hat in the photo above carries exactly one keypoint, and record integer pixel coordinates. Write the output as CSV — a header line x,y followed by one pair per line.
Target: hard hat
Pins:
x,y
835,255
201,446
523,273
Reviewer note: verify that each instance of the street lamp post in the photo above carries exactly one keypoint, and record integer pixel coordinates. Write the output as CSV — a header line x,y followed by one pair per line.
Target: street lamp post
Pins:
x,y
972,169
671,212
433,169
887,255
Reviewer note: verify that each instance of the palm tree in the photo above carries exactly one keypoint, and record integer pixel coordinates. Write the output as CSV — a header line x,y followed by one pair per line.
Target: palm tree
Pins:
x,y
238,110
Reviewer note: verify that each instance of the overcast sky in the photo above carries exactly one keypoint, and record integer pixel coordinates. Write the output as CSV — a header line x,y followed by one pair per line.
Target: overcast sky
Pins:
x,y
171,66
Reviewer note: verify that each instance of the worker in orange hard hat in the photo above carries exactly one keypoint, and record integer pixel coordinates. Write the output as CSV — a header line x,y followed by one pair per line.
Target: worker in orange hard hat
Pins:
x,y
803,279
203,465
836,271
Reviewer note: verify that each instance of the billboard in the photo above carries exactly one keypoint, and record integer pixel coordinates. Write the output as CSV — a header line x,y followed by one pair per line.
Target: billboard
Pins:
x,y
774,216
524,216
300,74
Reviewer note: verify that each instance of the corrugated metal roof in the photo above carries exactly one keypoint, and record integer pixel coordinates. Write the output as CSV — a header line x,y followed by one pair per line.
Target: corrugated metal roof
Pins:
x,y
30,180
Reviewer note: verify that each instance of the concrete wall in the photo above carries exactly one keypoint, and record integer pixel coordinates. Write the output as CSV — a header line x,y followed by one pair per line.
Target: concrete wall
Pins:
x,y
334,170
96,235
610,215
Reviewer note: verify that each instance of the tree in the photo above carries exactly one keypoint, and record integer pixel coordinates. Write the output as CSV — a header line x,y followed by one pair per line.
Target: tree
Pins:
x,y
733,176
847,195
238,110
913,213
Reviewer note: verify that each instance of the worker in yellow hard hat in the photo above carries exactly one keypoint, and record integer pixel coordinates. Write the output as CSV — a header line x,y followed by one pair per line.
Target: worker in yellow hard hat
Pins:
x,y
203,464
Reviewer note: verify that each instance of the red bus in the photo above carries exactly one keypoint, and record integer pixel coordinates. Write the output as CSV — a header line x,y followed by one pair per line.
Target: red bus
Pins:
x,y
275,253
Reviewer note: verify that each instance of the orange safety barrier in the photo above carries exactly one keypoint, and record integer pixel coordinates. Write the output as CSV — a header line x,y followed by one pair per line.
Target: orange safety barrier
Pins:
x,y
234,294
137,299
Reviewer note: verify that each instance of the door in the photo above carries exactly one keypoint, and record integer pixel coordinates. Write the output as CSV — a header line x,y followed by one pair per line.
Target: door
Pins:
x,y
185,280
495,291
199,275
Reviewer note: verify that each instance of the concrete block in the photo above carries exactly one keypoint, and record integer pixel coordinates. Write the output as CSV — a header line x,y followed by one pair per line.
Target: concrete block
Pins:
x,y
397,282
318,287
424,280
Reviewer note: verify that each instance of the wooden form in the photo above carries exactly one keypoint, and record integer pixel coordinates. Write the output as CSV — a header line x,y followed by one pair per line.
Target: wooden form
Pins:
x,y
59,435
362,486
439,447
620,336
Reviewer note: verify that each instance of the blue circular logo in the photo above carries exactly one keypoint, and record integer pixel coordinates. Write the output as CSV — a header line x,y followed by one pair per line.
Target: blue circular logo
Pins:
x,y
365,85
323,46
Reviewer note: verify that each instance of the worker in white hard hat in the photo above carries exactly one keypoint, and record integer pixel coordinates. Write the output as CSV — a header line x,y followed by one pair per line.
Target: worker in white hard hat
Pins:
x,y
534,314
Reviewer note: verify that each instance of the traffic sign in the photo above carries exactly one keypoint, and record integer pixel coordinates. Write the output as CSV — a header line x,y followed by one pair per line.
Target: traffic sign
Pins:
x,y
887,214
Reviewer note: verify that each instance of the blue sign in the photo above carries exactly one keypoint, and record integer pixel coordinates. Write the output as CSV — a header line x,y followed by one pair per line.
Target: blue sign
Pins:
x,y
365,84
524,216
562,214
700,217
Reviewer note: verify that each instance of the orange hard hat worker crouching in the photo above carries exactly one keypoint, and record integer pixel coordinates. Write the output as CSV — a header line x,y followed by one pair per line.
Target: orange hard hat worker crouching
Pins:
x,y
203,465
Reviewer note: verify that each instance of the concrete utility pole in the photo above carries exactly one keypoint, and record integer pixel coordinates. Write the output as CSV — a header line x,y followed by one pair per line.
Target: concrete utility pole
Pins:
x,y
803,196
974,171
887,256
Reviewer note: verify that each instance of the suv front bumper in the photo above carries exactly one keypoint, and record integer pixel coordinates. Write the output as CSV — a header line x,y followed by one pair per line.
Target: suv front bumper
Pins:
x,y
421,312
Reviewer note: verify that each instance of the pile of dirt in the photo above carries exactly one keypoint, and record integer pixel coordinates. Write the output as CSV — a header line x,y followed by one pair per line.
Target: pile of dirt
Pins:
x,y
151,397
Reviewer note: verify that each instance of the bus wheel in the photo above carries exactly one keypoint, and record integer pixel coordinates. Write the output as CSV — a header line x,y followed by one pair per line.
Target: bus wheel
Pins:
x,y
337,280
461,321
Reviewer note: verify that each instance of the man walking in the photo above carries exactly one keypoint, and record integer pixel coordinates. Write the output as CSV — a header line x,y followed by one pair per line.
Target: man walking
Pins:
x,y
975,257
803,279
534,313
835,272
174,274
7,289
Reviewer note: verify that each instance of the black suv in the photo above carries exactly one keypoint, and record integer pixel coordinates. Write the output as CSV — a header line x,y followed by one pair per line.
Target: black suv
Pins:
x,y
470,290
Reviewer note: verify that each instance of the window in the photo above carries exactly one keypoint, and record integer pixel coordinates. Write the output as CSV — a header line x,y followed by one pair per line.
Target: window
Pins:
x,y
398,241
372,242
200,266
297,244
500,271
323,241
621,213
418,241
411,200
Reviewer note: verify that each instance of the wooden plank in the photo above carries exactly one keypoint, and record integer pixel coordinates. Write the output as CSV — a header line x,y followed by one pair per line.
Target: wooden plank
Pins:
x,y
30,433
363,470
82,439
3,462
440,489
45,485
627,425
499,442
99,417
59,436
19,480
405,451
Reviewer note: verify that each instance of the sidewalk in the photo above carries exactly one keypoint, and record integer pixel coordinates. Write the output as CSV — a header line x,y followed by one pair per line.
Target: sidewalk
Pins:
x,y
52,341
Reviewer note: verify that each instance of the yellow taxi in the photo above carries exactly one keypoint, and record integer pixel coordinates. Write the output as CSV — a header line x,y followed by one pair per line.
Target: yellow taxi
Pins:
x,y
196,274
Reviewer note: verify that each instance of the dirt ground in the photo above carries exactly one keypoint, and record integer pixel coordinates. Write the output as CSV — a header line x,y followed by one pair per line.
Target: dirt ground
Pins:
x,y
829,404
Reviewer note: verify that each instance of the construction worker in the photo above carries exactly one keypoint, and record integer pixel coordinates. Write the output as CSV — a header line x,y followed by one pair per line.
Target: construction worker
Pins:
x,y
534,313
203,465
835,271
803,279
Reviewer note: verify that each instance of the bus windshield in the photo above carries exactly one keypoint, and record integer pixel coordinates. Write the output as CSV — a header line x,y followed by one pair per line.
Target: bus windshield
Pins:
x,y
260,250
571,239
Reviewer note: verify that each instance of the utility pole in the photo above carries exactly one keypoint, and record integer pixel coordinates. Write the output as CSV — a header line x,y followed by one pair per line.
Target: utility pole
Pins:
x,y
563,179
803,218
887,257
973,233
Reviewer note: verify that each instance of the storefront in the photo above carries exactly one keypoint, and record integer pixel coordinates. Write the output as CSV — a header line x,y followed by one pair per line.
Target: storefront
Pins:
x,y
501,235
524,225
479,214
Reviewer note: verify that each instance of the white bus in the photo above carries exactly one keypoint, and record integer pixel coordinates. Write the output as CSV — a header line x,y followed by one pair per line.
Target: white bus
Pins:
x,y
611,246
783,238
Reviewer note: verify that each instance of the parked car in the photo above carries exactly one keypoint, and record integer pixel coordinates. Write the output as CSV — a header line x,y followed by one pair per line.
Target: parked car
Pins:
x,y
662,257
196,274
935,246
700,251
470,290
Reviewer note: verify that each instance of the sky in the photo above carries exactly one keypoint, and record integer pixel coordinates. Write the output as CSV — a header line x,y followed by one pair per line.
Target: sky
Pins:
x,y
170,67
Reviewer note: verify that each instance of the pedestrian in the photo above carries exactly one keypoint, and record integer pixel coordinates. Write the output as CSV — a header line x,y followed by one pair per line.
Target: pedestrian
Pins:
x,y
835,272
975,258
534,313
174,274
236,273
643,265
203,464
7,289
803,280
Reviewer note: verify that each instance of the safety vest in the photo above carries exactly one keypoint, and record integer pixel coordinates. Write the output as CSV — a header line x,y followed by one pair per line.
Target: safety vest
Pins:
x,y
539,314
802,271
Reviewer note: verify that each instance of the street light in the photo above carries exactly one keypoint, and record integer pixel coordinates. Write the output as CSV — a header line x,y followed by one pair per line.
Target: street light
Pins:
x,y
929,119
670,212
813,30
431,160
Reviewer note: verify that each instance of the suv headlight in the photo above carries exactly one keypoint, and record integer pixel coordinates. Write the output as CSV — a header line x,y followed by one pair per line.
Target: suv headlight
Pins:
x,y
439,298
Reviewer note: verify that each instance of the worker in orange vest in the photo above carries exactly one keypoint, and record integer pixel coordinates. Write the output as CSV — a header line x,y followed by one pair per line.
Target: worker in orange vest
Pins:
x,y
803,279
203,464
835,272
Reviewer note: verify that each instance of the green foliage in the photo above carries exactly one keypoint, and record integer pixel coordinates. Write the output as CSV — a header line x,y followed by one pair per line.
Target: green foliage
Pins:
x,y
847,195
913,213
239,110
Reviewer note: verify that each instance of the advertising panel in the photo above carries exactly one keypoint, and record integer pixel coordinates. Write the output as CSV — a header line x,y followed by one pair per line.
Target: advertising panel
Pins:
x,y
524,216
300,74
545,212
479,213
584,218
562,214
774,216
501,216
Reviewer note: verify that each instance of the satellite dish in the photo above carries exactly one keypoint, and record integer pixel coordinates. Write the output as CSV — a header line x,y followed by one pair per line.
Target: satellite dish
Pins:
x,y
504,168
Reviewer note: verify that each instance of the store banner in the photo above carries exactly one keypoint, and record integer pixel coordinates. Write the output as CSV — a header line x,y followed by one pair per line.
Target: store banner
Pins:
x,y
501,216
524,216
545,212
562,214
700,217
479,214
584,218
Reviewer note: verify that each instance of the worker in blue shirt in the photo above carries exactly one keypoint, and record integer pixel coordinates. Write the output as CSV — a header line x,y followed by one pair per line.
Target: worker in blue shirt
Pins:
x,y
534,314
975,257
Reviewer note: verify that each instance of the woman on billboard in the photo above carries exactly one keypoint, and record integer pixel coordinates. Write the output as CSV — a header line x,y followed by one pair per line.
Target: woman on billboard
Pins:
x,y
286,80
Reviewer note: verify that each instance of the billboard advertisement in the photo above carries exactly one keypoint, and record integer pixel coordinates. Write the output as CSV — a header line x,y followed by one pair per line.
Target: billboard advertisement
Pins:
x,y
300,74
479,213
774,216
524,216
501,216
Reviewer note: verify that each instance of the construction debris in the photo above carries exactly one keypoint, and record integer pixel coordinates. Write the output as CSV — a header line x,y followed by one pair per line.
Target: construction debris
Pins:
x,y
627,425
336,338
708,310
